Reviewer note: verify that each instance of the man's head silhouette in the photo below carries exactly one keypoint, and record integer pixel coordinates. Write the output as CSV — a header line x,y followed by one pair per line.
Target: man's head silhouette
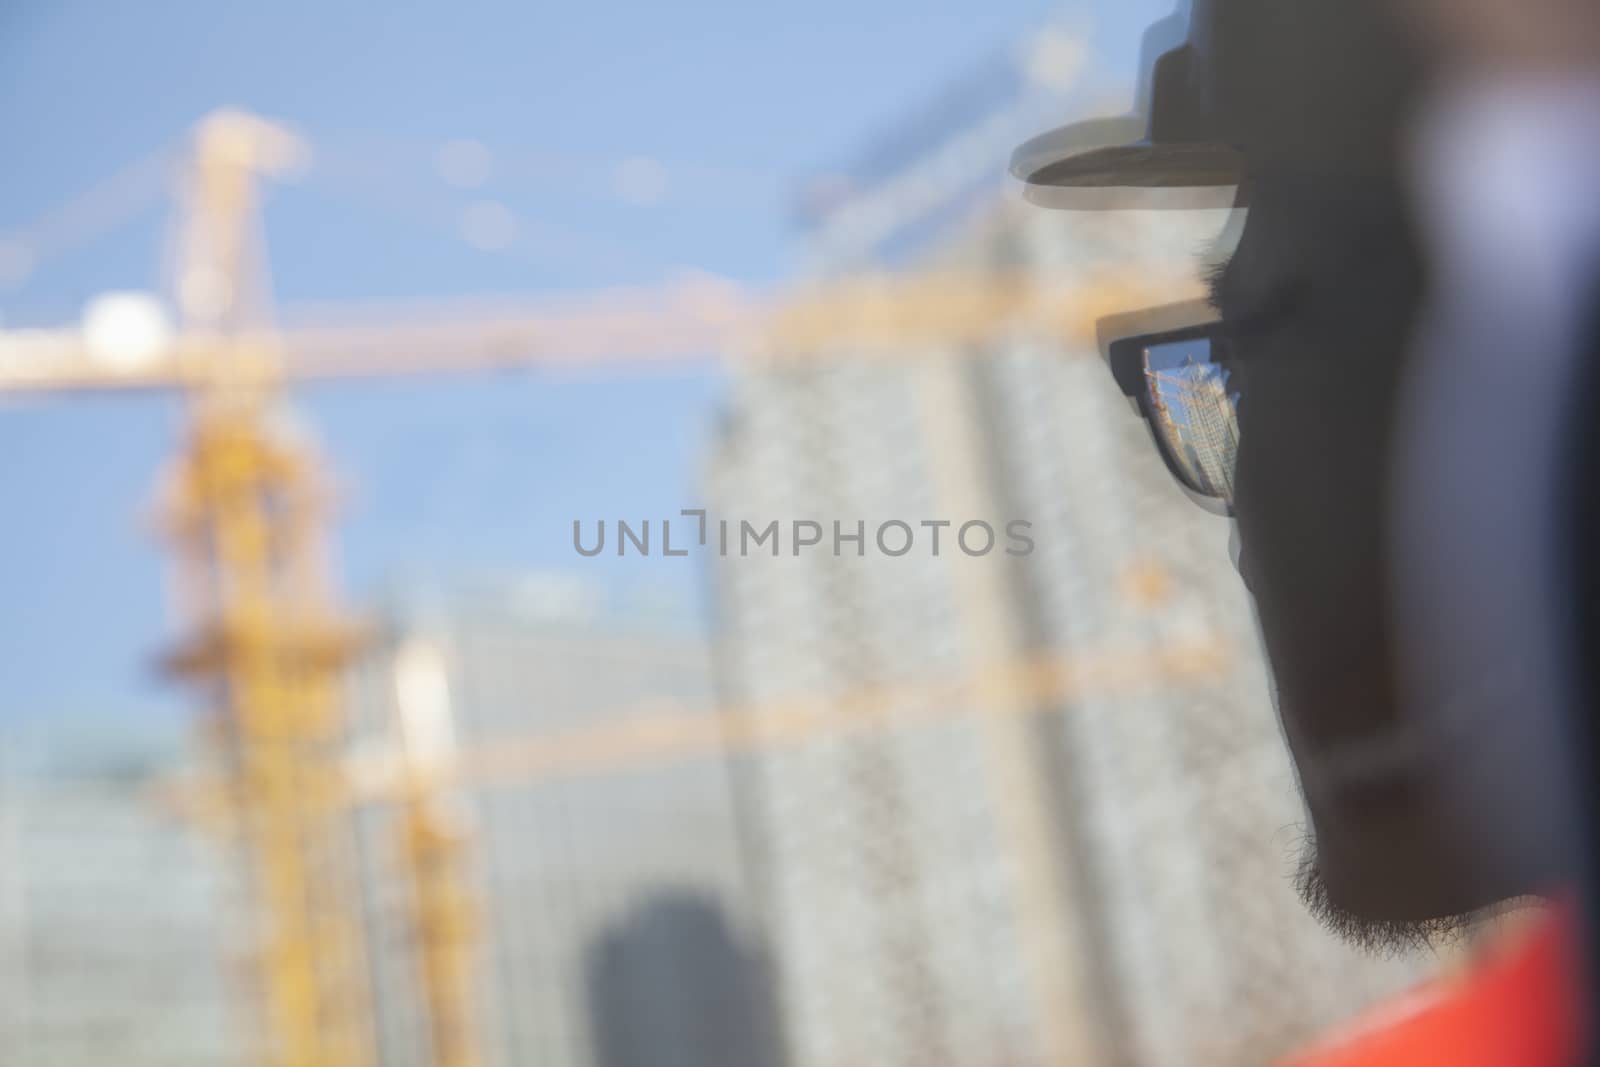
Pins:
x,y
1303,108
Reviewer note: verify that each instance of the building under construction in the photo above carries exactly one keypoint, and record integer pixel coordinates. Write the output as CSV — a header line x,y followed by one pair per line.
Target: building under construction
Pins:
x,y
588,889
121,928
1078,871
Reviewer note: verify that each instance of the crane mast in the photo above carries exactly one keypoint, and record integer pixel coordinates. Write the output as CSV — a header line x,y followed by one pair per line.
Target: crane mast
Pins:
x,y
267,644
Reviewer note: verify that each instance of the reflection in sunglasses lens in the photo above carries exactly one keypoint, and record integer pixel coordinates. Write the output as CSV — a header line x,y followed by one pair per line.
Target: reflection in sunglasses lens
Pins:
x,y
1194,413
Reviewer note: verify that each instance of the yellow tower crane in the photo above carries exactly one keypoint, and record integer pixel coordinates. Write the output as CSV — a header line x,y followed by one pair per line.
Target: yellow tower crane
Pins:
x,y
433,842
246,512
247,509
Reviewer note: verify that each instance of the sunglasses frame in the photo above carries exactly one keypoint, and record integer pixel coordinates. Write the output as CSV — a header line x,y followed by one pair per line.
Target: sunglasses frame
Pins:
x,y
1124,340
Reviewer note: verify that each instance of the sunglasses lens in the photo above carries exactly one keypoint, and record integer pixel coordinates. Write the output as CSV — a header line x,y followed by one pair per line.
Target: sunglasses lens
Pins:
x,y
1193,413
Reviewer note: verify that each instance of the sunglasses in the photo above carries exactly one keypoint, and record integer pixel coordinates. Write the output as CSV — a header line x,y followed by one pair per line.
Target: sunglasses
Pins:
x,y
1175,364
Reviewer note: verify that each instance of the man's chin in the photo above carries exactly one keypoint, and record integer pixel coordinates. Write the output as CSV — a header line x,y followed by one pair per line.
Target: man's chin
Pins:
x,y
1375,935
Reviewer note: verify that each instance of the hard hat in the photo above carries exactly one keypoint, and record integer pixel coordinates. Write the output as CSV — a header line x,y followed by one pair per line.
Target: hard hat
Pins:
x,y
1224,83
1174,137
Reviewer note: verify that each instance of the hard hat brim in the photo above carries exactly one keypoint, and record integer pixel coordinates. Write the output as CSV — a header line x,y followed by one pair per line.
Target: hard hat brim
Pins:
x,y
1109,154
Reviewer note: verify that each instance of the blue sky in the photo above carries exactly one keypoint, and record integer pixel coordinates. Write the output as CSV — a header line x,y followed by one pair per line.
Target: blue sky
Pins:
x,y
736,101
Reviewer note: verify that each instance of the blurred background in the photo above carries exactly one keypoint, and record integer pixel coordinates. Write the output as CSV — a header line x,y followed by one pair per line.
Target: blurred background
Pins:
x,y
329,333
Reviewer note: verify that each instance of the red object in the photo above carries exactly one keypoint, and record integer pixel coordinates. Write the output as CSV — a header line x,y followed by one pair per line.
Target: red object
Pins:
x,y
1518,1006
